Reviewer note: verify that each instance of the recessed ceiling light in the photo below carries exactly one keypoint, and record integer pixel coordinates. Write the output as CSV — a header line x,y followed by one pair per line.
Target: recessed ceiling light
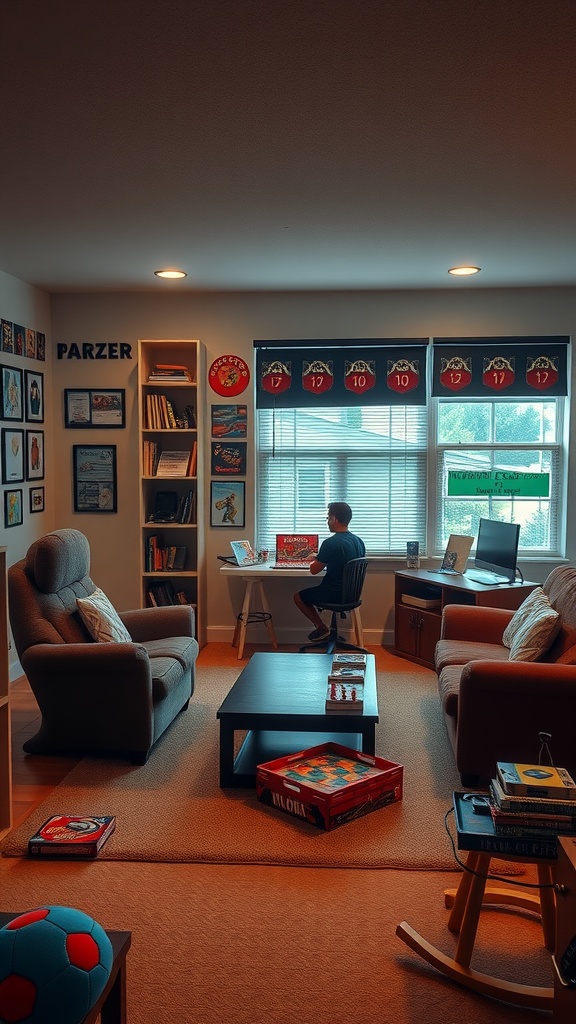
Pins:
x,y
171,275
464,271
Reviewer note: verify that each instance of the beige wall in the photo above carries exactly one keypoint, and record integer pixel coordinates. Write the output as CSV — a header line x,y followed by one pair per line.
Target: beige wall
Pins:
x,y
228,323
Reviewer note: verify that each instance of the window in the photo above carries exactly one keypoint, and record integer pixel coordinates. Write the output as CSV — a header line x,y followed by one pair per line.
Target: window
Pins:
x,y
520,435
373,457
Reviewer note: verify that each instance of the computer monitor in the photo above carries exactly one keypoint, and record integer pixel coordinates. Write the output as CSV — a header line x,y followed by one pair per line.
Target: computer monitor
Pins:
x,y
497,548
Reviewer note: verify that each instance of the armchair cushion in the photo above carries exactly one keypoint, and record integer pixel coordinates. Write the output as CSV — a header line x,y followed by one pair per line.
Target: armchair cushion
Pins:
x,y
532,629
101,619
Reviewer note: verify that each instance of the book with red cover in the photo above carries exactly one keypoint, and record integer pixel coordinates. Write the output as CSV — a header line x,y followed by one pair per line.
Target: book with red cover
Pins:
x,y
65,835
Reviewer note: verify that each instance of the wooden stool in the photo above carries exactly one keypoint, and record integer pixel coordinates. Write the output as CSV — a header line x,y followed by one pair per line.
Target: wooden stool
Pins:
x,y
247,618
466,902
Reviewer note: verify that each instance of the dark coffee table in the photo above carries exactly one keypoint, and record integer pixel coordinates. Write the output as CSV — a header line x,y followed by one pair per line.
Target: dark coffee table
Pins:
x,y
280,699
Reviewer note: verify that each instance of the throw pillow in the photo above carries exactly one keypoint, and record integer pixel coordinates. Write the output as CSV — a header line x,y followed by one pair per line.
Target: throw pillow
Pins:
x,y
101,619
532,629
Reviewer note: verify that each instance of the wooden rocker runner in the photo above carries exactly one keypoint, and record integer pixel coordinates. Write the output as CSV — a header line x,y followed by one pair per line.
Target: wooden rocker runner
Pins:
x,y
466,903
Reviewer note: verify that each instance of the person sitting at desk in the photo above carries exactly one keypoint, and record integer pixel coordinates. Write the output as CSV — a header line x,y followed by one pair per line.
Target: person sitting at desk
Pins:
x,y
333,554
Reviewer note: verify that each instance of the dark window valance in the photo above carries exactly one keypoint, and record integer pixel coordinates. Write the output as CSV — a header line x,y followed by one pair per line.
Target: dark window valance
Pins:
x,y
368,371
488,367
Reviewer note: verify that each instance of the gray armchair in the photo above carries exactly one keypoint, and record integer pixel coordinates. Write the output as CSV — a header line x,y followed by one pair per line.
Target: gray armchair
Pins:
x,y
116,698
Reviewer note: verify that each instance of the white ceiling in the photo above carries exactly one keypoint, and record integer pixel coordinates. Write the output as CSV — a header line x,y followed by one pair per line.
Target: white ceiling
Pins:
x,y
280,144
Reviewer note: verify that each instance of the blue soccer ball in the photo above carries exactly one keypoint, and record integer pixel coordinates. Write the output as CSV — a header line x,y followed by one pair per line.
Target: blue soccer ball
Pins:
x,y
54,965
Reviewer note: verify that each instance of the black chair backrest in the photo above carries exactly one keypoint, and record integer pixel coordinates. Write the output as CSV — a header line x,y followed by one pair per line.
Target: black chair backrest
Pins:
x,y
353,581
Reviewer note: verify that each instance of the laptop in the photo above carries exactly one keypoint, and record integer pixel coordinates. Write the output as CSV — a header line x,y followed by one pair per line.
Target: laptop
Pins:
x,y
244,552
295,550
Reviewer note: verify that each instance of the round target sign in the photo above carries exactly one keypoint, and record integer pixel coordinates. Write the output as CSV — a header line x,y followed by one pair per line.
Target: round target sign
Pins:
x,y
229,376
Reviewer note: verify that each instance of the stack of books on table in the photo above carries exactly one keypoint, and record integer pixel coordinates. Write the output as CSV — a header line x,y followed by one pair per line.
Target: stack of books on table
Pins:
x,y
345,692
533,802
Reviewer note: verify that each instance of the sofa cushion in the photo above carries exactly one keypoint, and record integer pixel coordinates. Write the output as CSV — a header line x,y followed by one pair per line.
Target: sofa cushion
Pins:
x,y
101,619
460,652
532,629
449,688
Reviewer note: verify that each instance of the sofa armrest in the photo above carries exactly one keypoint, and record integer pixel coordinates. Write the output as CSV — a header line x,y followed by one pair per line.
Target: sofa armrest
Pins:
x,y
159,623
107,670
474,622
502,708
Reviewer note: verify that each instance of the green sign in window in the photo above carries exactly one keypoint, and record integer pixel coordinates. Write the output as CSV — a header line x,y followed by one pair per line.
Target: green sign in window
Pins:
x,y
508,483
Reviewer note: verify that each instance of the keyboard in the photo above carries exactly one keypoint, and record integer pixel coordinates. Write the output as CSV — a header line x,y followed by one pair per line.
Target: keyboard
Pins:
x,y
291,565
488,578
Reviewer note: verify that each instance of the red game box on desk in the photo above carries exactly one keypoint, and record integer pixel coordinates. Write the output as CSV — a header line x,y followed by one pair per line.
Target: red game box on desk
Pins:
x,y
329,785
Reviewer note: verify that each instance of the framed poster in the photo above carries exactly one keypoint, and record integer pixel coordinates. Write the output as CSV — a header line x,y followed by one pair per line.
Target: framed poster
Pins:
x,y
227,500
228,458
36,495
34,454
12,455
12,508
34,388
94,472
12,406
229,420
102,407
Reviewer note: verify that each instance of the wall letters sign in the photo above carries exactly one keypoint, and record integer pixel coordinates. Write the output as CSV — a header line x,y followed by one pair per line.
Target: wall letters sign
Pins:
x,y
94,350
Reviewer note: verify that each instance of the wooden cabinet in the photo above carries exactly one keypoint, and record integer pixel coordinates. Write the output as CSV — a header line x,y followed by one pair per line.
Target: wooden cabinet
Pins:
x,y
420,596
5,731
172,554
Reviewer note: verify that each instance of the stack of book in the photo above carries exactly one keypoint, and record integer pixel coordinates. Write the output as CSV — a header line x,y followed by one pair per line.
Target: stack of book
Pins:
x,y
162,594
162,414
162,558
172,373
345,691
534,802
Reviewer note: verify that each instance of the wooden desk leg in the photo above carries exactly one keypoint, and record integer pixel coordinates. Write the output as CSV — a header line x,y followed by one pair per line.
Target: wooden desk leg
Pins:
x,y
114,1009
266,609
458,898
357,623
244,620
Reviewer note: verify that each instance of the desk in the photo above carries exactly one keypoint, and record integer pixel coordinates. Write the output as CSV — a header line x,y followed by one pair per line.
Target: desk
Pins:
x,y
254,576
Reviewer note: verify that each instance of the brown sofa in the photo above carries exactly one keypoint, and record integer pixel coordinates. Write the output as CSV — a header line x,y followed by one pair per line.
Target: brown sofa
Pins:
x,y
114,698
494,709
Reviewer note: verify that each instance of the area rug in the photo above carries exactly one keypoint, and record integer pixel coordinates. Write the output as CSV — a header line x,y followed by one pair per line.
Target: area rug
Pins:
x,y
172,808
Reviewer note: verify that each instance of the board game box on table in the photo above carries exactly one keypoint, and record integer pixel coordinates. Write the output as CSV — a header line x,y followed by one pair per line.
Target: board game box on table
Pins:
x,y
329,785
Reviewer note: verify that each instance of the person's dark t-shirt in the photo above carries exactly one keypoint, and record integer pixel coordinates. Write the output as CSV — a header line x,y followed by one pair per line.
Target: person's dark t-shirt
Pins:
x,y
334,552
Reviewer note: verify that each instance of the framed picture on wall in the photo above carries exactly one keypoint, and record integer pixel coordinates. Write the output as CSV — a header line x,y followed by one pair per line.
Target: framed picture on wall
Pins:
x,y
36,495
229,420
34,389
12,406
12,508
228,458
94,472
227,500
34,454
103,407
12,455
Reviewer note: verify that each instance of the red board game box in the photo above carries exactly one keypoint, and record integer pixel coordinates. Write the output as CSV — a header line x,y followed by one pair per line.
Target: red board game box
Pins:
x,y
329,785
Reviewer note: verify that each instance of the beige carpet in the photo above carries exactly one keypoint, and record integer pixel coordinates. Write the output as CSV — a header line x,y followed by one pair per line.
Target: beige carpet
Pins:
x,y
222,944
172,809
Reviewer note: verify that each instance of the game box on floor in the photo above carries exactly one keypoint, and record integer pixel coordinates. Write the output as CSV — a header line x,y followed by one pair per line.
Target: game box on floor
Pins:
x,y
329,785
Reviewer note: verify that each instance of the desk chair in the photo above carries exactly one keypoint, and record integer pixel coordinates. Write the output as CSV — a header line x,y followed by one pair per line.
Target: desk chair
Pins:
x,y
352,583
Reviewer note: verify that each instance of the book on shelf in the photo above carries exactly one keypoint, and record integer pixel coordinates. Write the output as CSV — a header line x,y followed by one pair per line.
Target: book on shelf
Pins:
x,y
539,780
476,832
529,804
172,373
67,836
176,558
162,594
349,658
174,463
346,698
